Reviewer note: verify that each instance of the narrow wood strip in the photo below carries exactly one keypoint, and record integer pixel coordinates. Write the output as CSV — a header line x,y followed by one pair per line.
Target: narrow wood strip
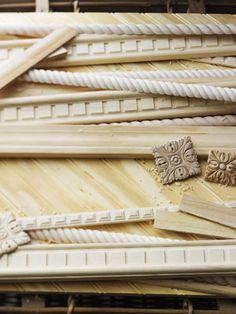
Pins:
x,y
213,212
107,141
91,218
101,49
50,262
196,286
31,56
181,222
224,61
104,107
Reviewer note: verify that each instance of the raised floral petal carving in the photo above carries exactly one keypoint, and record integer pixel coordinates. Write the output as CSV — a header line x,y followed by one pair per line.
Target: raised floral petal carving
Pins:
x,y
11,234
221,168
176,160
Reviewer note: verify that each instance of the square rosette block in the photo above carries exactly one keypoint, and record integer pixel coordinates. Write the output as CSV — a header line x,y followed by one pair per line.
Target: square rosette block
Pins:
x,y
221,168
176,160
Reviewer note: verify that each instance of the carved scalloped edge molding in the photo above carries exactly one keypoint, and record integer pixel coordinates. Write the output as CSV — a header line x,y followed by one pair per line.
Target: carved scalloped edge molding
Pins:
x,y
108,141
68,262
93,49
92,218
104,107
224,61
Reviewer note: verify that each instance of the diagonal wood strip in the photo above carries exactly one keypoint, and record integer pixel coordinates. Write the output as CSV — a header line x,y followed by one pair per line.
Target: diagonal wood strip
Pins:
x,y
23,61
213,212
107,141
181,222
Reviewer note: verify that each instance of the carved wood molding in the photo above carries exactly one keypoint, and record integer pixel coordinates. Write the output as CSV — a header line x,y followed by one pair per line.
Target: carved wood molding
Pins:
x,y
194,258
100,49
105,106
92,218
108,141
11,234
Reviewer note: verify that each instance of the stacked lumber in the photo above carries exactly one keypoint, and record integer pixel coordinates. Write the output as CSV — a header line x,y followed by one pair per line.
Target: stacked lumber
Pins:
x,y
140,106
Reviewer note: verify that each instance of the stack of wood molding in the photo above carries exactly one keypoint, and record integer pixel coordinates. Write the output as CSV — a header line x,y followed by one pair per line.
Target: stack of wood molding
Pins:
x,y
61,172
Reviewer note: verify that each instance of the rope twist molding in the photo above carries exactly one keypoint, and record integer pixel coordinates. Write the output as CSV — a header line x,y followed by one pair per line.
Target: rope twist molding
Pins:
x,y
208,120
179,74
123,29
130,84
74,235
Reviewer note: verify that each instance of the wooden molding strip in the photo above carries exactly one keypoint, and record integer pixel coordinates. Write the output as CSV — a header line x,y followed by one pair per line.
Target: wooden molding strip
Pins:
x,y
108,141
18,64
68,262
104,107
211,211
91,218
191,285
224,61
181,222
100,49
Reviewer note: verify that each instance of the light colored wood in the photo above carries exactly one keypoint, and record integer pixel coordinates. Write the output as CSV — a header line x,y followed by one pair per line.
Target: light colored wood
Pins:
x,y
104,106
58,54
61,186
91,218
15,66
213,212
223,61
181,222
42,5
105,49
213,289
50,262
107,141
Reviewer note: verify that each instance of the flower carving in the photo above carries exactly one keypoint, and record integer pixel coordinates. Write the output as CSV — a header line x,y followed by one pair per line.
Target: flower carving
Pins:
x,y
221,168
11,234
176,160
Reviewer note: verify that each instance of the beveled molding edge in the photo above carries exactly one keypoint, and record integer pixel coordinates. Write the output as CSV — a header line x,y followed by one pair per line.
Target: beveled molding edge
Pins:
x,y
104,106
92,218
108,141
68,262
93,49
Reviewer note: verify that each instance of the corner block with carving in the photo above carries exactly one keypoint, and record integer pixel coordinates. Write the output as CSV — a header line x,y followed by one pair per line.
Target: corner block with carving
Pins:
x,y
176,160
11,234
221,168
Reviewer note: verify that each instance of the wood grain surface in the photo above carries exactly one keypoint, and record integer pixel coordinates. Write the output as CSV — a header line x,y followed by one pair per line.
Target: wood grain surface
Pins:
x,y
42,186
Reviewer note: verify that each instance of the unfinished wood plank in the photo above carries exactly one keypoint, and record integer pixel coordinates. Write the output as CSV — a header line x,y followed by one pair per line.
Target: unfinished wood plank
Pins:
x,y
181,222
213,212
105,49
104,107
107,141
17,65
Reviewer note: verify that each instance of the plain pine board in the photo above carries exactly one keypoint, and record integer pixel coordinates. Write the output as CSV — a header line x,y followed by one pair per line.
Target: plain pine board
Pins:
x,y
181,222
211,211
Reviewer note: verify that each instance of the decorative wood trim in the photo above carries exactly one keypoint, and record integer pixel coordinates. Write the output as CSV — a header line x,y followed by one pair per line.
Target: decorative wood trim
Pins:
x,y
23,61
92,218
107,141
105,106
194,258
97,49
